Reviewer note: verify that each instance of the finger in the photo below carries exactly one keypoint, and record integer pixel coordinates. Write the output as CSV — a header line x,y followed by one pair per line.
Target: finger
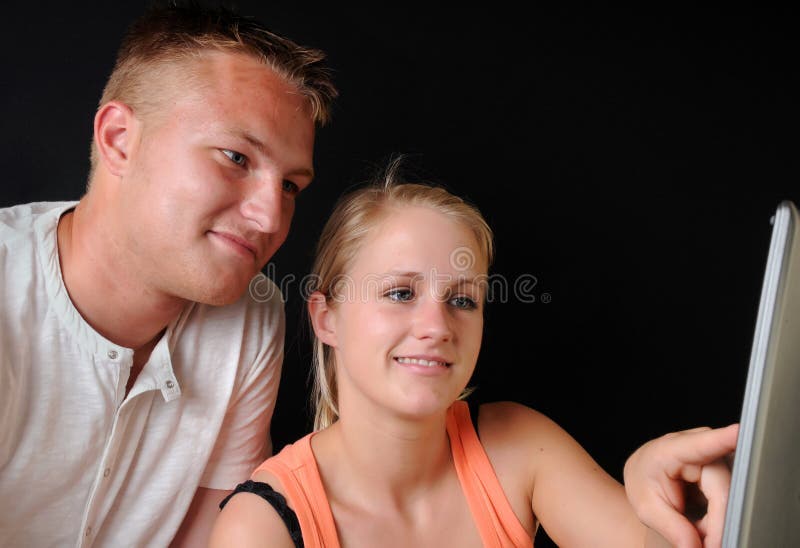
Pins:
x,y
689,472
696,429
702,527
701,446
673,526
654,540
715,482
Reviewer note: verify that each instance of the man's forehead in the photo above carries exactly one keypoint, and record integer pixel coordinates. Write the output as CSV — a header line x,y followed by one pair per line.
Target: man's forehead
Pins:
x,y
220,76
207,66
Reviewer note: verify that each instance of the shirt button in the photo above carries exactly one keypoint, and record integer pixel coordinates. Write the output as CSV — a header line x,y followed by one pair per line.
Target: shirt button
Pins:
x,y
106,472
112,354
170,384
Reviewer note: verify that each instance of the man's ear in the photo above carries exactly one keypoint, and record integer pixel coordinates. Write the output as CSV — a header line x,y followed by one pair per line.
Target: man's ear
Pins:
x,y
114,128
322,319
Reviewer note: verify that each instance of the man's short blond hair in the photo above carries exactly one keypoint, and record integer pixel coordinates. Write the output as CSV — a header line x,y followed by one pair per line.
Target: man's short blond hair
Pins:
x,y
168,37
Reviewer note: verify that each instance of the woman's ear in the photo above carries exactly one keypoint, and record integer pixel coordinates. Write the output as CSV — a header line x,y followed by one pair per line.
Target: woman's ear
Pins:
x,y
322,319
114,127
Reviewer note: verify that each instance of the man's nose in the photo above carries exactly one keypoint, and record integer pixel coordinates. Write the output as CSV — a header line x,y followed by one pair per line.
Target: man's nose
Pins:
x,y
263,205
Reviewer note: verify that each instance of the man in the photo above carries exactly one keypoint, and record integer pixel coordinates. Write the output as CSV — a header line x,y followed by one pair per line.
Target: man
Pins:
x,y
137,376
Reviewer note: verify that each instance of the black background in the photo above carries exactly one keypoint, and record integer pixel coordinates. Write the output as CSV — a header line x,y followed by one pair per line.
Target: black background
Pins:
x,y
628,163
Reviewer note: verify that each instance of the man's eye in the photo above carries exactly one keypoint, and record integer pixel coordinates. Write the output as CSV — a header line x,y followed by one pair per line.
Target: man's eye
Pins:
x,y
236,157
400,295
290,187
462,301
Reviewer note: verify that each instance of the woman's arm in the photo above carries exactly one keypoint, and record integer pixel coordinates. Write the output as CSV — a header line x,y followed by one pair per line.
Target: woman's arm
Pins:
x,y
248,521
579,504
573,498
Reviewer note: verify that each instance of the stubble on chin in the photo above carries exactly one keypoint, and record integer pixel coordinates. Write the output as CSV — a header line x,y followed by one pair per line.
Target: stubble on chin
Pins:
x,y
212,286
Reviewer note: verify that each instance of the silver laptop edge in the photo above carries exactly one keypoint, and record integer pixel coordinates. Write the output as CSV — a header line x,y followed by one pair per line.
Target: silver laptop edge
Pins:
x,y
752,424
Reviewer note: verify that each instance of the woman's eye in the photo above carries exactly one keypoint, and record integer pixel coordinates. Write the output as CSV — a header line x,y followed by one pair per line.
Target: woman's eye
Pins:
x,y
236,157
400,295
462,301
290,187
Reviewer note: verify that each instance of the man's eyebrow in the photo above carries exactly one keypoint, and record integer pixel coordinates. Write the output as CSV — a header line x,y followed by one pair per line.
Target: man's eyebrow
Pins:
x,y
263,149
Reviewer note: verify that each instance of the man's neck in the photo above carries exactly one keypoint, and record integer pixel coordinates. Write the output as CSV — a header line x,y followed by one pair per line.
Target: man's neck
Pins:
x,y
123,309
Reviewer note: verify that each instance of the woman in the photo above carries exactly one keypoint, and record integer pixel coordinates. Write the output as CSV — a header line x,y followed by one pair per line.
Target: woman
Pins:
x,y
397,459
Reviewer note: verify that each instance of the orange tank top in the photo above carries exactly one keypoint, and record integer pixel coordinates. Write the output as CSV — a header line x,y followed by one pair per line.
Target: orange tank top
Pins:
x,y
296,468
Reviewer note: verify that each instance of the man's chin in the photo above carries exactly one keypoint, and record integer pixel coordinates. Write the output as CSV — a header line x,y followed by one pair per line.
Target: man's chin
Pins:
x,y
219,300
220,293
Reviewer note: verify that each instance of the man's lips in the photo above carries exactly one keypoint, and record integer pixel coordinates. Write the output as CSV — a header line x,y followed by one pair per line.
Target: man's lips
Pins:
x,y
236,241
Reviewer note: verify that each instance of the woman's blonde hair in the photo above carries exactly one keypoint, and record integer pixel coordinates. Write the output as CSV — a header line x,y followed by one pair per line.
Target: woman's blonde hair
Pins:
x,y
355,215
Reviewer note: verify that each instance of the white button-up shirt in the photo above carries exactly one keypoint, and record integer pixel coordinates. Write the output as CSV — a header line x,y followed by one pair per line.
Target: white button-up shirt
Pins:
x,y
81,463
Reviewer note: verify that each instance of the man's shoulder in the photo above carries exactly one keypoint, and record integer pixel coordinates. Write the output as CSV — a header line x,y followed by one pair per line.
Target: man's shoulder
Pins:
x,y
247,335
20,219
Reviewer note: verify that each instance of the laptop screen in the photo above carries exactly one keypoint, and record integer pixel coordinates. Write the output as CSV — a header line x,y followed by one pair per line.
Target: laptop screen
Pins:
x,y
764,500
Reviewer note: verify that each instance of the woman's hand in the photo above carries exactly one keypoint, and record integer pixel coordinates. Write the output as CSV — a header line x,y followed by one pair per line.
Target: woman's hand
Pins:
x,y
670,478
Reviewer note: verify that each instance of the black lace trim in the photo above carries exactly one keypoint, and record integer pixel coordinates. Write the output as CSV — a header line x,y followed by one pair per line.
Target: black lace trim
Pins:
x,y
276,500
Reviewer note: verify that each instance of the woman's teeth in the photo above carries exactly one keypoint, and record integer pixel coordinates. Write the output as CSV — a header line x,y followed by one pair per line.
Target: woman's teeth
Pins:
x,y
417,361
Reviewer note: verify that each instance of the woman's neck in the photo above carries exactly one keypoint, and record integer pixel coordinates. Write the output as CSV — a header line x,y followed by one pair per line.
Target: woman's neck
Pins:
x,y
382,458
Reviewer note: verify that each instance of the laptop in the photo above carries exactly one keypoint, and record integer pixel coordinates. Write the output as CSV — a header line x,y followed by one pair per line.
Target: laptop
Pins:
x,y
764,499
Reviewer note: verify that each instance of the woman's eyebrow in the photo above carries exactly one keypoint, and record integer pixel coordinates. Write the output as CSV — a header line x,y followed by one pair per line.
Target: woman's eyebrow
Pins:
x,y
403,274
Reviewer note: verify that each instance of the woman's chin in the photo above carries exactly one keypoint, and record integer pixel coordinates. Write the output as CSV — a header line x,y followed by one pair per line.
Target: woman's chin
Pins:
x,y
424,406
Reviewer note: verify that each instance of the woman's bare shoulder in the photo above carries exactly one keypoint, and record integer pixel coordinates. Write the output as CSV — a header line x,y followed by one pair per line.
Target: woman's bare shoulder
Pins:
x,y
569,493
523,443
249,521
517,427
